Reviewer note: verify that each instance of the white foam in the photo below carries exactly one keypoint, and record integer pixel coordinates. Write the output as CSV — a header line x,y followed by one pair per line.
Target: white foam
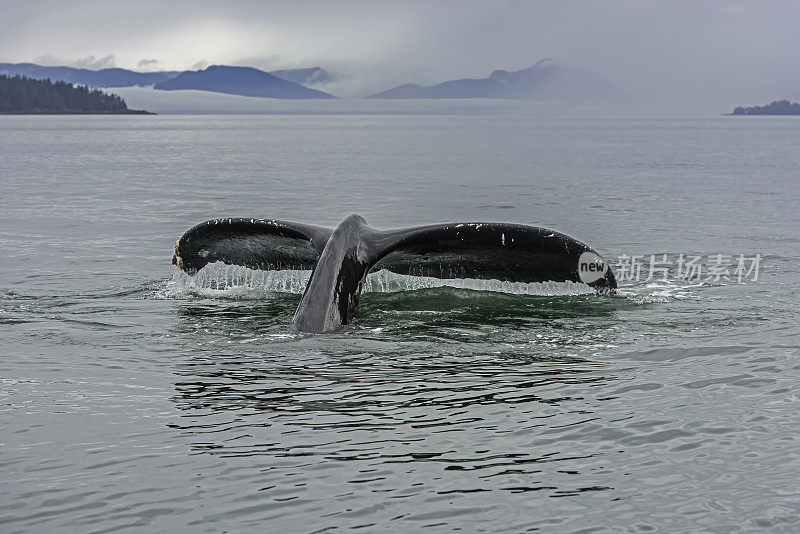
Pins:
x,y
218,280
385,281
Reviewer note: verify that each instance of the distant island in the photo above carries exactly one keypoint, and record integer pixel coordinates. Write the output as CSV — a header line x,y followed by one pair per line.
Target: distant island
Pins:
x,y
244,81
546,80
20,95
778,107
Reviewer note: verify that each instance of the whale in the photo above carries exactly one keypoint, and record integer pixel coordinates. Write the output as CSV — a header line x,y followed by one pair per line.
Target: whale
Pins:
x,y
341,258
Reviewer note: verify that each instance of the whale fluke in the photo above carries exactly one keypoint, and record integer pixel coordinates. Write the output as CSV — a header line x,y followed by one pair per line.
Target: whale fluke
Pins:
x,y
341,258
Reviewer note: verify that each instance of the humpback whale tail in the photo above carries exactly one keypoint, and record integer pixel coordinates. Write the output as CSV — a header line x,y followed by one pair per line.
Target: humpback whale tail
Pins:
x,y
340,259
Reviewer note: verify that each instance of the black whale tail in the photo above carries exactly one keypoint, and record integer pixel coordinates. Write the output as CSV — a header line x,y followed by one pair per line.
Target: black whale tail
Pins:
x,y
342,258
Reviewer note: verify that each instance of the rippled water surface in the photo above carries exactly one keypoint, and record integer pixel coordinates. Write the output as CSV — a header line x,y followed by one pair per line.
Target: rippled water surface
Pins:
x,y
135,398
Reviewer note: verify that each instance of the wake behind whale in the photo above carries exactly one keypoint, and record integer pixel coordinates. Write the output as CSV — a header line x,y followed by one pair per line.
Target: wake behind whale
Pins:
x,y
340,259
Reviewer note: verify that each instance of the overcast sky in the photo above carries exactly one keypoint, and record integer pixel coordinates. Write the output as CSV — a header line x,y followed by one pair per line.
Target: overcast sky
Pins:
x,y
657,47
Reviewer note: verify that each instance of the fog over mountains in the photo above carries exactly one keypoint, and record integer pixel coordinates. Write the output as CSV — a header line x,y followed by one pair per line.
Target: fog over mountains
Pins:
x,y
546,80
244,81
307,76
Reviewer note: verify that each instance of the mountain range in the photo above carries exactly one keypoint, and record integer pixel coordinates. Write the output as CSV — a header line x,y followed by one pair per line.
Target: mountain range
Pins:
x,y
94,78
245,81
546,80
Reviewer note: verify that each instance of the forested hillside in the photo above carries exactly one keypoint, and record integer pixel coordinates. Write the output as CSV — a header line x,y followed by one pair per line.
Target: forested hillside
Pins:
x,y
24,95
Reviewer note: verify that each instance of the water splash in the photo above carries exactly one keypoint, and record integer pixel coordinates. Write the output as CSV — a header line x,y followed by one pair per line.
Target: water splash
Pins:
x,y
659,292
218,280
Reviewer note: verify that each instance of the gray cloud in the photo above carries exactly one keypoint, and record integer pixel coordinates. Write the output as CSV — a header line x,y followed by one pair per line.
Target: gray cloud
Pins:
x,y
88,62
48,60
95,63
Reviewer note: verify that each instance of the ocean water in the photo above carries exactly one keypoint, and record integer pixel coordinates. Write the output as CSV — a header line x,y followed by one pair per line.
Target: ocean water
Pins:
x,y
133,398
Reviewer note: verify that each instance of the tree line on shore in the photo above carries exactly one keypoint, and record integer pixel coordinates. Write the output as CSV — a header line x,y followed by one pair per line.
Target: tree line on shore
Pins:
x,y
778,107
19,94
